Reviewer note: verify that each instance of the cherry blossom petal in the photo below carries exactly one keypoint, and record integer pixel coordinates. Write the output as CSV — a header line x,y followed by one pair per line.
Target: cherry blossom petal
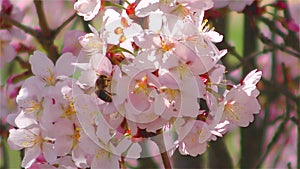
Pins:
x,y
49,153
24,120
64,65
30,156
87,8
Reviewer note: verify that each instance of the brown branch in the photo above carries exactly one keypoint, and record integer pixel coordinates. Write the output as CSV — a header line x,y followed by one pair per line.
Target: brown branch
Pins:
x,y
66,22
281,47
42,18
159,140
26,29
281,89
46,36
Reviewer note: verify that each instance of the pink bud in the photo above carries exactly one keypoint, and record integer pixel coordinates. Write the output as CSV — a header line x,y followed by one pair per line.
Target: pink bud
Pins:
x,y
291,25
280,5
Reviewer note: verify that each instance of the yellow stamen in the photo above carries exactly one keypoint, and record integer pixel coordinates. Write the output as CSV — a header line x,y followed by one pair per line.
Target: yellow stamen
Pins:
x,y
229,109
124,22
122,38
142,85
118,30
166,46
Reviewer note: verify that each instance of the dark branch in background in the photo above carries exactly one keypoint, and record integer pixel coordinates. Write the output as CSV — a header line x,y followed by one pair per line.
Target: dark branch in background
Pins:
x,y
281,147
283,90
289,46
46,36
281,129
219,156
244,62
184,161
273,53
281,47
271,25
297,46
252,136
295,120
292,38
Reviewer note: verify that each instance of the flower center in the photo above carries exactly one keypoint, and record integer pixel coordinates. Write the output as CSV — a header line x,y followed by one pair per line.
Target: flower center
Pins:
x,y
229,109
68,111
142,86
50,80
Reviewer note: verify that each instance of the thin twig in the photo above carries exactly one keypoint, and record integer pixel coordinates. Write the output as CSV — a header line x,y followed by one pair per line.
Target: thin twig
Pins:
x,y
26,29
281,129
282,146
281,89
281,47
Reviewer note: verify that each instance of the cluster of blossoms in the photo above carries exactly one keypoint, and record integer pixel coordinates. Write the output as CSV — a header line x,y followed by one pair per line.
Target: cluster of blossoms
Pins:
x,y
151,74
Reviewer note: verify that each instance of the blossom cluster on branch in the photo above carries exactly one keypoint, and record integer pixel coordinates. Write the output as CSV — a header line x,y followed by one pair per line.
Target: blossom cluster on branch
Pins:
x,y
150,76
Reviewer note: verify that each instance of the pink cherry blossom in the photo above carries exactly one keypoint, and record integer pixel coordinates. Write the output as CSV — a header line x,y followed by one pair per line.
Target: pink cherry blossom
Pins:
x,y
240,102
15,13
118,28
92,43
71,43
32,140
43,68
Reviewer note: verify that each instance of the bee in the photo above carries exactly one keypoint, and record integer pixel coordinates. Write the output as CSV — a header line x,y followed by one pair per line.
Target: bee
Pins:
x,y
101,83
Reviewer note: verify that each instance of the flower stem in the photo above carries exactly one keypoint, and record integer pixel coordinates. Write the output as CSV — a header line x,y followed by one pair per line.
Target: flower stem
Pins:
x,y
166,160
122,164
159,140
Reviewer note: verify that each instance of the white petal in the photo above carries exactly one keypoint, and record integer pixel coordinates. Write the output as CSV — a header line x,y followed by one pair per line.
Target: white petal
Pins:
x,y
49,153
64,64
41,65
30,156
134,151
24,120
